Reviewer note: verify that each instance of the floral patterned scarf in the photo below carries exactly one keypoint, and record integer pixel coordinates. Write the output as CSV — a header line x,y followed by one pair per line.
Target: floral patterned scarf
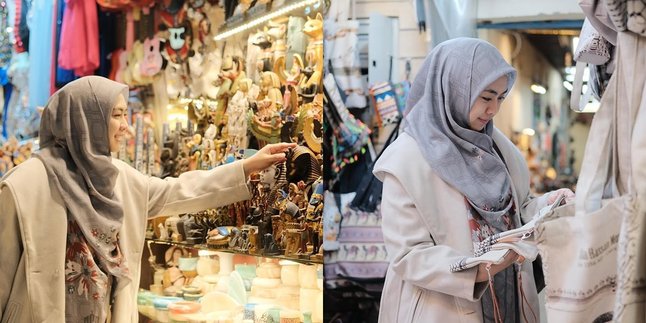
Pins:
x,y
88,284
504,282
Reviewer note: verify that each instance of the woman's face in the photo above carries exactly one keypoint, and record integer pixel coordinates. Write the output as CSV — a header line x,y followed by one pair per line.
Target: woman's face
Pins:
x,y
488,104
118,123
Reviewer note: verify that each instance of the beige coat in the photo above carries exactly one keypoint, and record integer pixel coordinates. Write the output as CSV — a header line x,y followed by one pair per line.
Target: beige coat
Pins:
x,y
33,228
426,230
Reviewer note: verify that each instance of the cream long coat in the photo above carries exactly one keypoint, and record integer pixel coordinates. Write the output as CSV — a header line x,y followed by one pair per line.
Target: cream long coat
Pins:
x,y
425,229
33,228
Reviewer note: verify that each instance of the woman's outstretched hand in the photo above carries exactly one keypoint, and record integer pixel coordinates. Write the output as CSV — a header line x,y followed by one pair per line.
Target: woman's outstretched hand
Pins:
x,y
265,157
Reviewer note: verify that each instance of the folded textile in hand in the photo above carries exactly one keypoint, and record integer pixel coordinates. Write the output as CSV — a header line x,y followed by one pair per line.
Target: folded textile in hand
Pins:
x,y
494,248
496,255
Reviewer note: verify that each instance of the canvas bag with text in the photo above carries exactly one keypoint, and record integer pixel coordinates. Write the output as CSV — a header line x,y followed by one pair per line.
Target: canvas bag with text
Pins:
x,y
579,242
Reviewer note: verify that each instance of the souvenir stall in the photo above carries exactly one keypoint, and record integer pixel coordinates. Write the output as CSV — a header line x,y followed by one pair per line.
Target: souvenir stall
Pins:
x,y
212,84
357,115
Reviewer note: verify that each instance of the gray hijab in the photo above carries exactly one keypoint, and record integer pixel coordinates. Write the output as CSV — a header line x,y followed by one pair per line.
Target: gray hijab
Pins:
x,y
437,117
75,150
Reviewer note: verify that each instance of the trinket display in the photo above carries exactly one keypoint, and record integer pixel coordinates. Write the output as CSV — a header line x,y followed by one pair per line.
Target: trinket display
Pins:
x,y
228,96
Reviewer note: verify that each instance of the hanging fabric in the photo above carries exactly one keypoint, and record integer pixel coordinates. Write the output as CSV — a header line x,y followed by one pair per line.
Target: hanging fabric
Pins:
x,y
342,53
628,15
62,76
79,46
5,37
40,53
360,253
22,119
20,28
349,135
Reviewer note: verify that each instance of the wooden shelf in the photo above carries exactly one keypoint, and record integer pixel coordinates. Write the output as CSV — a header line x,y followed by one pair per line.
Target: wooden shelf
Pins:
x,y
302,260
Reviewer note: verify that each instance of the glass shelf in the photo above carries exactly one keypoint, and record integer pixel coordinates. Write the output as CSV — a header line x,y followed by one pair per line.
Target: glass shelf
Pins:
x,y
303,260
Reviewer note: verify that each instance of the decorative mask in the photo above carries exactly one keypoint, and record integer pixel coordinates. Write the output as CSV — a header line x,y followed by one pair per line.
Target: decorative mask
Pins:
x,y
180,35
153,60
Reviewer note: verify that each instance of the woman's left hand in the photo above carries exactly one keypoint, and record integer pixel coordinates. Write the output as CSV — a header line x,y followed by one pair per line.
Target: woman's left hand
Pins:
x,y
569,196
269,155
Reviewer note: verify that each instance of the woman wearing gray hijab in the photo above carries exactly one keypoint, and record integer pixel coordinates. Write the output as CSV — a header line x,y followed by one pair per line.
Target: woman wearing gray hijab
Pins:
x,y
73,219
450,180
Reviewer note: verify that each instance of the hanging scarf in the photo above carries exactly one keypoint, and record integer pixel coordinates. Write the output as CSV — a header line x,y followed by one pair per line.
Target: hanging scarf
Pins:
x,y
75,151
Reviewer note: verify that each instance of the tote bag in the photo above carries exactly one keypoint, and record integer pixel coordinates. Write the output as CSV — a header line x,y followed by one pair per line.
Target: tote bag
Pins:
x,y
578,242
630,305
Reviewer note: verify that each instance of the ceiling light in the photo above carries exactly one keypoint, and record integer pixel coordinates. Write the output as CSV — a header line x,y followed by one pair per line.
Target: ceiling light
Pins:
x,y
528,132
537,88
575,43
262,19
568,86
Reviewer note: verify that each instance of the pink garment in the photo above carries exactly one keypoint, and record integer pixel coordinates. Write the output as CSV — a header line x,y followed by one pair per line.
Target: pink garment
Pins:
x,y
79,47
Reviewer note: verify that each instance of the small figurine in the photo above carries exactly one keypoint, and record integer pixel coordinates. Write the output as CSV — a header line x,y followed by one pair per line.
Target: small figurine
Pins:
x,y
277,33
237,112
270,91
229,77
314,55
163,232
264,61
313,217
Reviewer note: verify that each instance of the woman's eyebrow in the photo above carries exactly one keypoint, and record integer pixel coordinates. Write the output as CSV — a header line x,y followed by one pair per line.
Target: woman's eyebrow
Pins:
x,y
494,92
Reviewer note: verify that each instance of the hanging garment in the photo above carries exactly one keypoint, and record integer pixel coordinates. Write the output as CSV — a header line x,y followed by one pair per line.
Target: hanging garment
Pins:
x,y
107,41
5,36
450,19
342,53
40,44
20,28
63,76
627,15
358,244
7,89
22,119
79,46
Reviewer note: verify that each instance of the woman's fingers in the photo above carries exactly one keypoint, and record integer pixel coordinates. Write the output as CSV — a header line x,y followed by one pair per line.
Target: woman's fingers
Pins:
x,y
279,157
280,147
520,259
